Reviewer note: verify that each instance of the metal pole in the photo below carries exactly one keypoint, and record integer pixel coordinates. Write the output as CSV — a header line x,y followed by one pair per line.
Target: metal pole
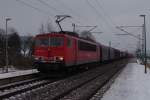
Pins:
x,y
73,27
139,46
109,50
145,45
144,29
143,52
6,67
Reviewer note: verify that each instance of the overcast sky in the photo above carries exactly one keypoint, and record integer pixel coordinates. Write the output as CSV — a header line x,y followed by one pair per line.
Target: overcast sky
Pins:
x,y
106,14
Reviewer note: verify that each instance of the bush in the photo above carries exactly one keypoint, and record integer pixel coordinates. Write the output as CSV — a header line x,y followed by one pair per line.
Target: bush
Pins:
x,y
23,63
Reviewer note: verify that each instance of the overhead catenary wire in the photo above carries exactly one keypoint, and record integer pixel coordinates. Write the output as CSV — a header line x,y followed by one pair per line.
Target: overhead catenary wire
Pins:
x,y
110,23
73,12
136,30
92,9
114,25
35,8
49,6
64,5
50,14
69,9
128,33
58,10
105,13
98,14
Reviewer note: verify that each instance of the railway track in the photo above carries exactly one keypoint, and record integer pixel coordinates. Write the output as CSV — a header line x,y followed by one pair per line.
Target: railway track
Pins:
x,y
16,78
87,90
78,87
13,89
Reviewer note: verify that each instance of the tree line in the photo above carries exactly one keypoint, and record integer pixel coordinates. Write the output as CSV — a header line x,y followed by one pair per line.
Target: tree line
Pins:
x,y
19,48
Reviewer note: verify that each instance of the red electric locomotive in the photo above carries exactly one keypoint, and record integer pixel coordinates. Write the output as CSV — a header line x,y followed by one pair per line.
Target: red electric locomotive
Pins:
x,y
62,50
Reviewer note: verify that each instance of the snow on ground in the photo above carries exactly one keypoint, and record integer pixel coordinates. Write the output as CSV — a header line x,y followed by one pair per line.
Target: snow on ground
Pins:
x,y
131,84
17,73
9,70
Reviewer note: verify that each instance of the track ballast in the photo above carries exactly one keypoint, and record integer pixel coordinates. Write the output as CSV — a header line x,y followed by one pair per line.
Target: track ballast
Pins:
x,y
78,87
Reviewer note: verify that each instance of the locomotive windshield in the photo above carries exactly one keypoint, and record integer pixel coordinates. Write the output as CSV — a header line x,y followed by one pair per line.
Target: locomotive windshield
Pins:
x,y
42,42
56,41
52,41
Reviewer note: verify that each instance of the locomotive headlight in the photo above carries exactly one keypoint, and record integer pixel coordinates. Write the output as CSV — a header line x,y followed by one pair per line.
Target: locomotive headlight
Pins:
x,y
39,58
61,58
36,58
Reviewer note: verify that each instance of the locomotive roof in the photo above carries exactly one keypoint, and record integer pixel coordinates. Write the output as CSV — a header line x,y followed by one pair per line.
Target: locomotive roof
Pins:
x,y
74,34
61,32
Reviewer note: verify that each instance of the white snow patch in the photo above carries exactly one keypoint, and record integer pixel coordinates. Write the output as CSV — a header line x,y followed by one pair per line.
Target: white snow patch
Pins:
x,y
10,69
131,84
139,61
17,73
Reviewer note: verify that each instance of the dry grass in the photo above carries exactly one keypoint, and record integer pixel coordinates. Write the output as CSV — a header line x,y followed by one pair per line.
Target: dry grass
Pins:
x,y
148,65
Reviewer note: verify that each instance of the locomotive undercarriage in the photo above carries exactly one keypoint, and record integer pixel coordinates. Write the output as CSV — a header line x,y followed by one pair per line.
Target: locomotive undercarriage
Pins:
x,y
49,67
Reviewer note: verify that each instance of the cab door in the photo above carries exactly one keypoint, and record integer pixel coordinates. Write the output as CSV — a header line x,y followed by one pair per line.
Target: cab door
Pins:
x,y
70,51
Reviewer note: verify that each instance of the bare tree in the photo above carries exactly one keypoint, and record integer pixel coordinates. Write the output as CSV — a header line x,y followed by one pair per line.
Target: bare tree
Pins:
x,y
14,45
2,47
25,44
2,38
31,43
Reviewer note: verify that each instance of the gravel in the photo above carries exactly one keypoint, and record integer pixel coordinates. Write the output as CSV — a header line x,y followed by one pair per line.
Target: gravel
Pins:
x,y
60,88
85,92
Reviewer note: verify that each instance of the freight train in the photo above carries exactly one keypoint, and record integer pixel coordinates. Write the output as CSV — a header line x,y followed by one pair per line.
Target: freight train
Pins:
x,y
63,50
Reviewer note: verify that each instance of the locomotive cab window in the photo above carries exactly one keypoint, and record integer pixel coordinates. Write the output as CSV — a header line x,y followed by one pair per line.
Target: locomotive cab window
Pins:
x,y
56,41
69,43
86,46
51,41
42,42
